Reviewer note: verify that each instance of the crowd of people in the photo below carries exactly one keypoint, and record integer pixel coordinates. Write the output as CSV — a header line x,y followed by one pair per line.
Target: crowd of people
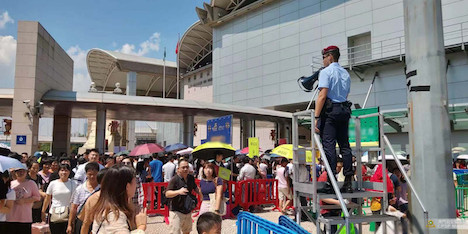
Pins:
x,y
66,192
92,193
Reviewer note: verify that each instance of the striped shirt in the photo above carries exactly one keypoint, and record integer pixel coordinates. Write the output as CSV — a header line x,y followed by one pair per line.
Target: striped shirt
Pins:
x,y
82,193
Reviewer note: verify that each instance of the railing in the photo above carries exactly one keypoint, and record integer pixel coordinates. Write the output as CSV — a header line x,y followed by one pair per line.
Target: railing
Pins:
x,y
403,172
454,34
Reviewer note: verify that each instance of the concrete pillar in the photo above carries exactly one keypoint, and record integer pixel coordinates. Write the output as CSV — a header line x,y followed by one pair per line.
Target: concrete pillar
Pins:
x,y
101,129
131,134
247,130
61,134
131,91
431,169
131,83
188,129
285,132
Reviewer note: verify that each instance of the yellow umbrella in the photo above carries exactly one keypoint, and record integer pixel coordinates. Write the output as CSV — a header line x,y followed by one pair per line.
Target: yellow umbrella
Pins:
x,y
286,150
207,151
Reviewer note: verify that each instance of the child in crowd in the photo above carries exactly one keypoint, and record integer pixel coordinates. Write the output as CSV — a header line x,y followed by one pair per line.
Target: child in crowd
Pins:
x,y
209,223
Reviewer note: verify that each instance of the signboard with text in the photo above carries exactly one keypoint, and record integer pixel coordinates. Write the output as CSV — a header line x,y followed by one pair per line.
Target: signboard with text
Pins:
x,y
220,129
254,147
370,134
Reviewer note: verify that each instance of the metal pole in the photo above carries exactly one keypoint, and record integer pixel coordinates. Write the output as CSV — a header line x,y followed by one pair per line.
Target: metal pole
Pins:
x,y
400,166
428,115
314,169
178,73
368,92
384,202
164,79
313,97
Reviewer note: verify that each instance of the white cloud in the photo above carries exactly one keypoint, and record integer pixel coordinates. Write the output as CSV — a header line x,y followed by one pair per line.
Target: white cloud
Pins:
x,y
7,61
79,57
5,19
81,79
152,44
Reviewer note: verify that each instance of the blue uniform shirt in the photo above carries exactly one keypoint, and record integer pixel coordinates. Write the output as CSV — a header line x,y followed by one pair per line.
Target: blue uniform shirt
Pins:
x,y
337,80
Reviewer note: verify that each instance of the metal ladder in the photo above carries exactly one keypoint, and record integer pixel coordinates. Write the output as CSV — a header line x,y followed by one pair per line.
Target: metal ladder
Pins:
x,y
306,188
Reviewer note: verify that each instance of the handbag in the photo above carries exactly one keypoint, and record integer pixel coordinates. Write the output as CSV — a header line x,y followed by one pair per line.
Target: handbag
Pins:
x,y
190,203
213,202
222,208
59,214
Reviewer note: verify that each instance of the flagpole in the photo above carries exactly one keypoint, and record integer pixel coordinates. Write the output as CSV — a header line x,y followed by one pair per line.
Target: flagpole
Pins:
x,y
164,74
178,41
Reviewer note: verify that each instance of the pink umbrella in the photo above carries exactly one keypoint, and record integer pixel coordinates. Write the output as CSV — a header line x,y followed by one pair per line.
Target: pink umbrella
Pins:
x,y
246,150
146,149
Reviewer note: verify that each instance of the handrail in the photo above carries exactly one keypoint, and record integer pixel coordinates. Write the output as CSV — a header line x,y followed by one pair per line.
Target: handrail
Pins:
x,y
403,172
454,34
331,176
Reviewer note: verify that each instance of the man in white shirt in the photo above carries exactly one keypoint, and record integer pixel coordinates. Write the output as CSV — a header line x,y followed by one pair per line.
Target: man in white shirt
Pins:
x,y
247,172
283,187
93,156
263,168
169,169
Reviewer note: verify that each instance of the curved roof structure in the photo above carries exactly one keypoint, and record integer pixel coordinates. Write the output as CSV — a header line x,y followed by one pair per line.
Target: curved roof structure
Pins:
x,y
108,67
195,48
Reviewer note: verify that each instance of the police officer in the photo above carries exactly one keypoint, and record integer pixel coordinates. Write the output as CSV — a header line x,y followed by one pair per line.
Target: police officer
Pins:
x,y
332,114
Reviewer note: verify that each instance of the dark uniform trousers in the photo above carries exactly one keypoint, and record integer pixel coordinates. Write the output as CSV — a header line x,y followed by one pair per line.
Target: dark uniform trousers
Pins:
x,y
333,126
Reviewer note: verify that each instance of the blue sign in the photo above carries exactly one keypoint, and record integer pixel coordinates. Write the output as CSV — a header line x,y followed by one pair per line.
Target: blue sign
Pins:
x,y
21,140
219,129
203,141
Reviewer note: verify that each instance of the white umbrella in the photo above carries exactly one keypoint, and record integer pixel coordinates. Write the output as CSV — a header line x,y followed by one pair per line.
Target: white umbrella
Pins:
x,y
390,157
7,163
3,145
185,151
463,156
458,149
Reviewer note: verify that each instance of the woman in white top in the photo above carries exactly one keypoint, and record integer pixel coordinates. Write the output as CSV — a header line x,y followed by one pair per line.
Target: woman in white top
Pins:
x,y
59,192
6,204
114,211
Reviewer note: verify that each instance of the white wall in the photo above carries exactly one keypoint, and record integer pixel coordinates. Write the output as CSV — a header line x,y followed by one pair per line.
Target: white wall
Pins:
x,y
258,56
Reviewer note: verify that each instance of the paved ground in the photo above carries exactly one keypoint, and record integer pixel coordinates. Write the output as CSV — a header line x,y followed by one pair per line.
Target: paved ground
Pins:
x,y
157,225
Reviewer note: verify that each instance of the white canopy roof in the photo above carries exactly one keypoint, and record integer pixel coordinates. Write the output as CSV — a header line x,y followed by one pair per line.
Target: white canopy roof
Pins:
x,y
108,67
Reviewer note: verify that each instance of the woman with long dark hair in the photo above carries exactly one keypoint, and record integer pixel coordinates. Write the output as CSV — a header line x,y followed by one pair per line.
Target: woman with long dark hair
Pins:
x,y
114,212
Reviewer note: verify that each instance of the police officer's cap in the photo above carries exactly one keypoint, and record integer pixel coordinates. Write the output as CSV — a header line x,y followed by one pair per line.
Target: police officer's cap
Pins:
x,y
330,49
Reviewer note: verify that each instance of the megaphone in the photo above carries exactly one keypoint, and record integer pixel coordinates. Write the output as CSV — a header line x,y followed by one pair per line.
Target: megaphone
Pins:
x,y
307,83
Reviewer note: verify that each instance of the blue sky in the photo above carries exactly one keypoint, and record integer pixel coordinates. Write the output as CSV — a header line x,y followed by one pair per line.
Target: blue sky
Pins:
x,y
141,27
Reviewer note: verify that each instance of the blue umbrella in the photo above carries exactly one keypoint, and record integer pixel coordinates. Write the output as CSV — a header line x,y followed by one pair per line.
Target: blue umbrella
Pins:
x,y
174,147
7,163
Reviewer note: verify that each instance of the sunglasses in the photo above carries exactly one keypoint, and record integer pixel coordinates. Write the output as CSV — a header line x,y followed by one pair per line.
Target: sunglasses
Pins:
x,y
325,56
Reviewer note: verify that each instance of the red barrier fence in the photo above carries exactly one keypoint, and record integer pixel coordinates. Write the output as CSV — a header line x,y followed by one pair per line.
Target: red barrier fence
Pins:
x,y
244,193
156,205
257,192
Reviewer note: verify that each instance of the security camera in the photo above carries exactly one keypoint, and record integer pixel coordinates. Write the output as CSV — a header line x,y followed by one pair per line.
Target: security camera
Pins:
x,y
26,101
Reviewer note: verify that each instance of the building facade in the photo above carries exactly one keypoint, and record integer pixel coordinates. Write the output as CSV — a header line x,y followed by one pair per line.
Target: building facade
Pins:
x,y
262,48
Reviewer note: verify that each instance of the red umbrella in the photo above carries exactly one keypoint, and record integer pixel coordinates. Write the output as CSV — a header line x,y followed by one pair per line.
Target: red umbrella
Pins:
x,y
146,149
